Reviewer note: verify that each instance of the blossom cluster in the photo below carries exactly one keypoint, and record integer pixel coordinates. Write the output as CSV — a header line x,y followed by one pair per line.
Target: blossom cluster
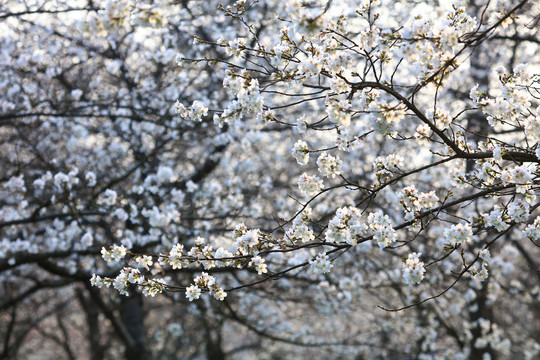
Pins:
x,y
386,166
532,126
384,234
116,253
177,260
458,234
520,176
300,231
118,14
321,263
532,231
482,273
310,184
513,102
339,111
343,141
413,269
129,276
500,218
115,15
176,257
195,112
518,210
205,282
346,226
258,263
497,219
248,102
246,240
423,134
329,165
414,200
300,152
430,43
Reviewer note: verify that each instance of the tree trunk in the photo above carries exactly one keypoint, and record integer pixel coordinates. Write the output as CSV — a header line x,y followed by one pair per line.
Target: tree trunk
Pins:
x,y
131,312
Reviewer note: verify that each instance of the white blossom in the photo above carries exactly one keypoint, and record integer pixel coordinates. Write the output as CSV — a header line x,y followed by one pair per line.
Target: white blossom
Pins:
x,y
413,269
321,263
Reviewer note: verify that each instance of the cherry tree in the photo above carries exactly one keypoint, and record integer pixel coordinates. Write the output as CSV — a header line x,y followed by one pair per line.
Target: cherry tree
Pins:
x,y
331,177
